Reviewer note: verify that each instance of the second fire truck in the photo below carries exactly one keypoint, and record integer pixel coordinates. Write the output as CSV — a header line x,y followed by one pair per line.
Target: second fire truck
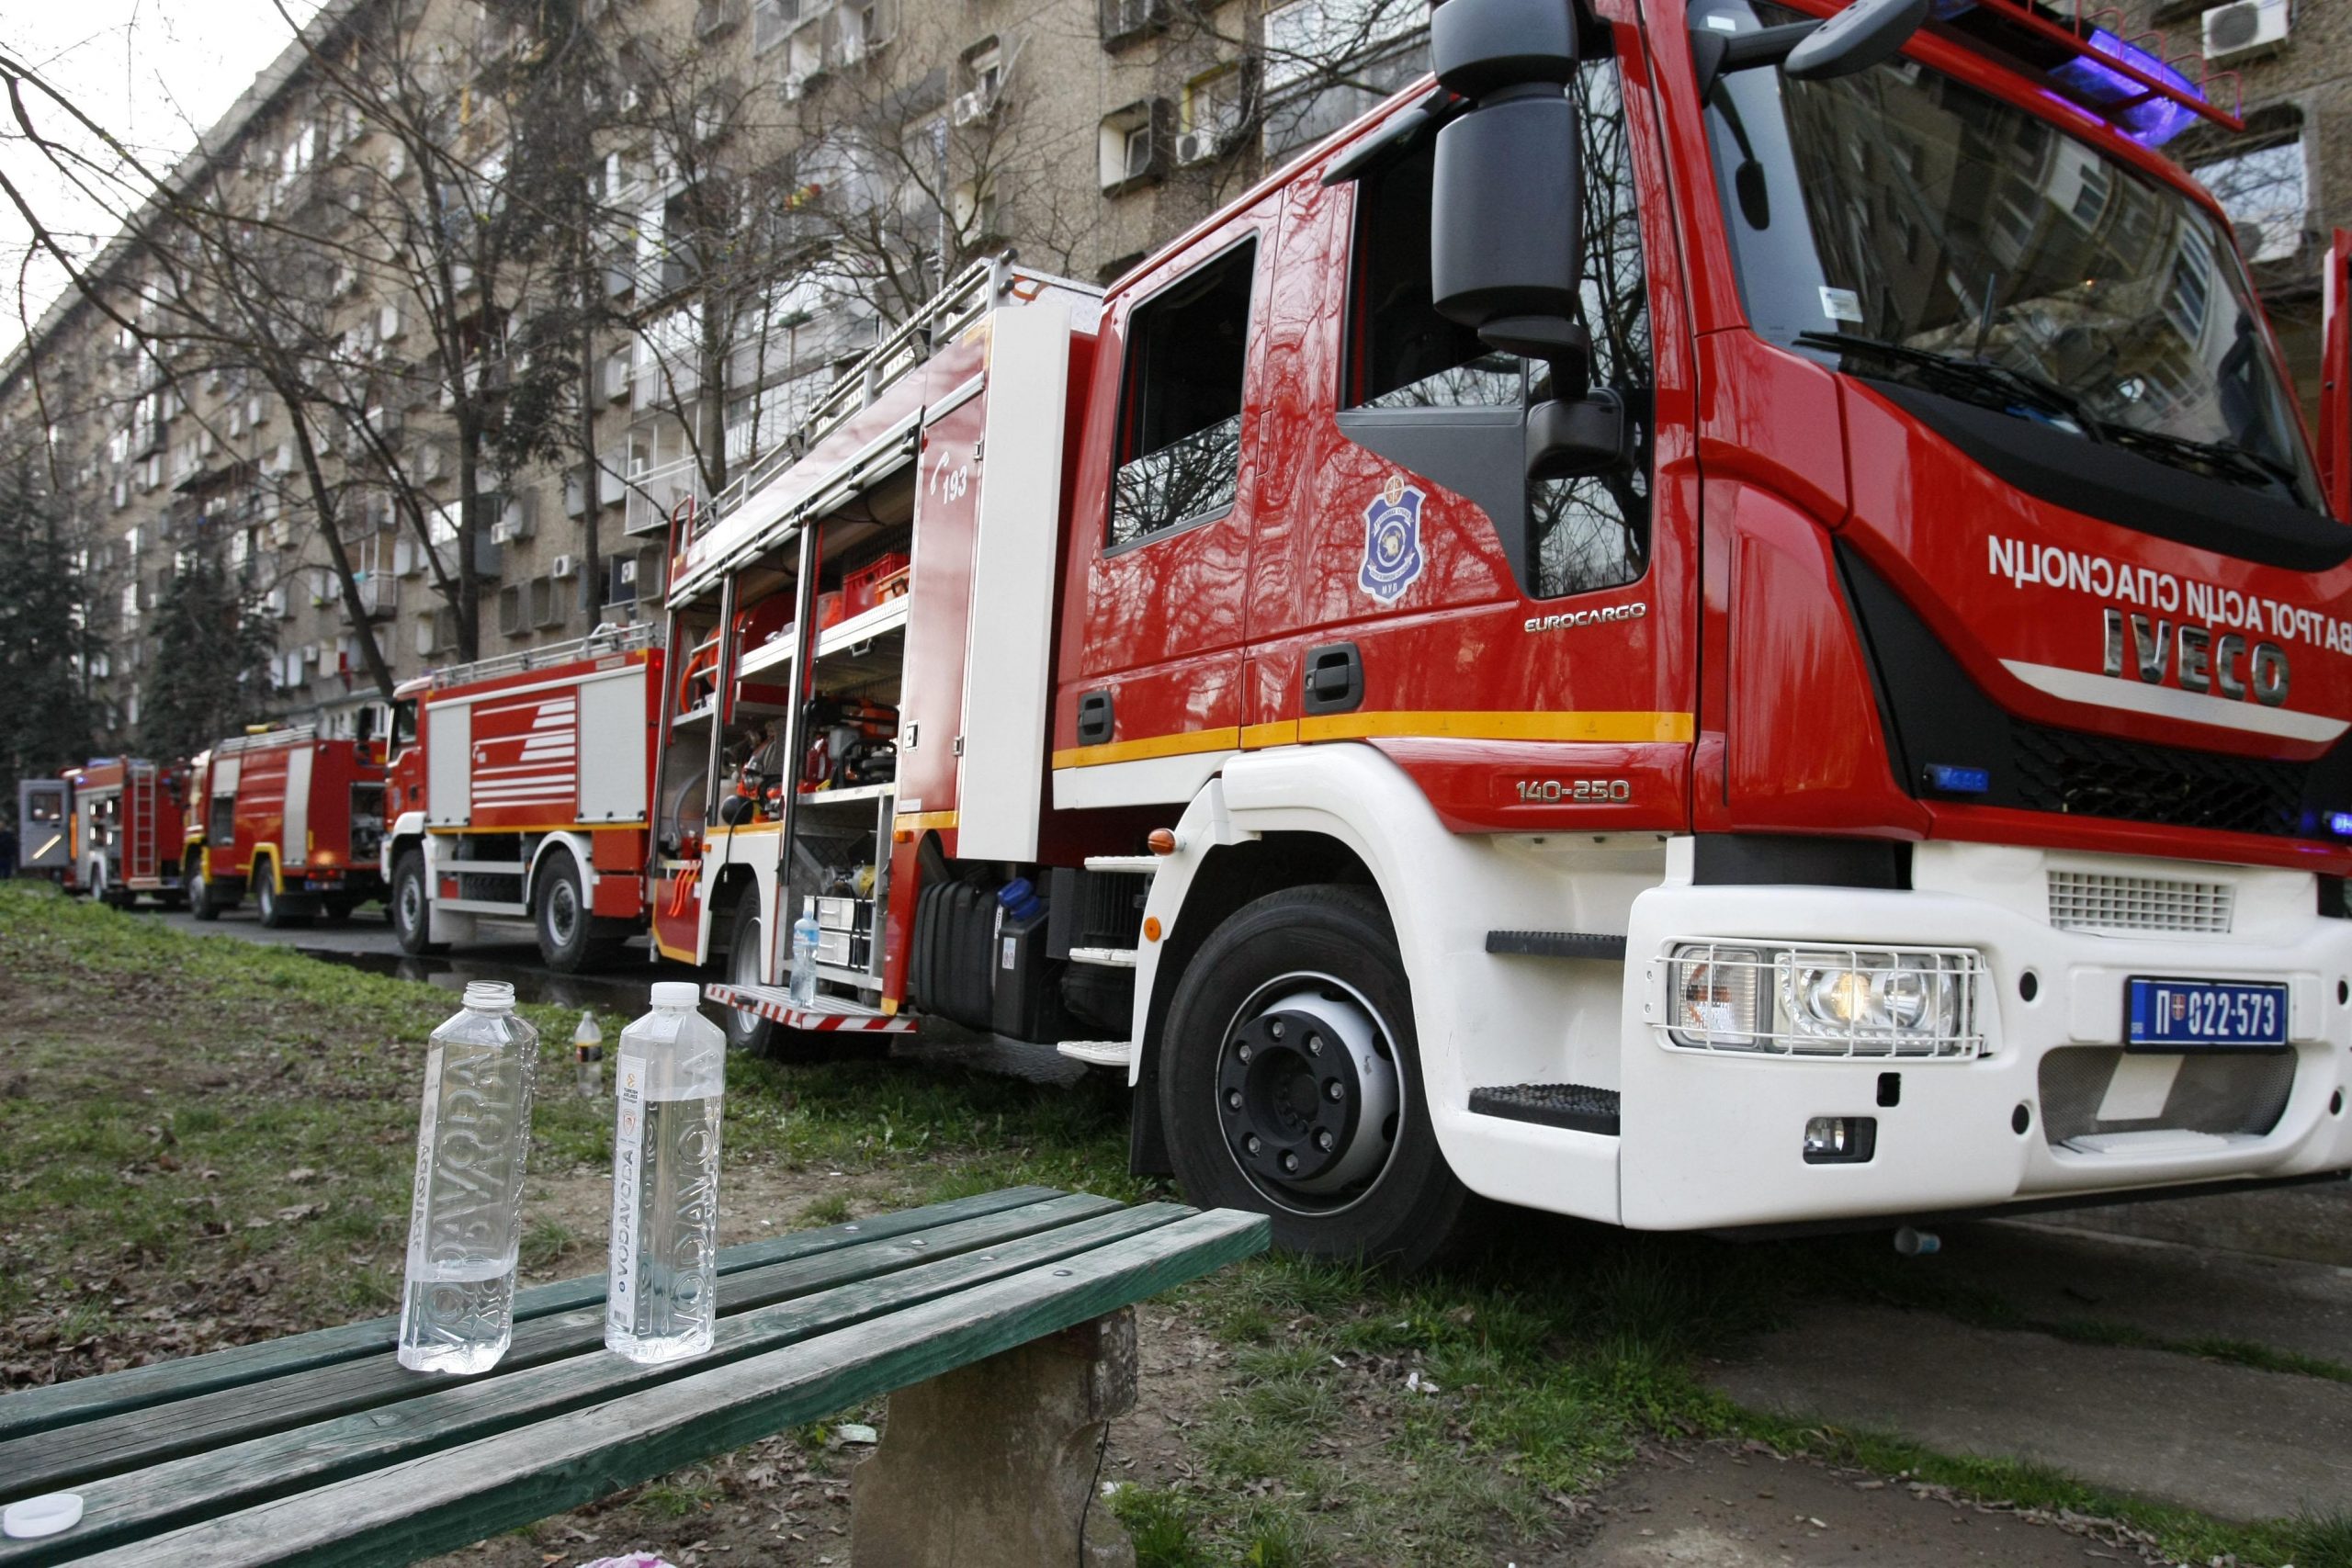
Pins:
x,y
518,792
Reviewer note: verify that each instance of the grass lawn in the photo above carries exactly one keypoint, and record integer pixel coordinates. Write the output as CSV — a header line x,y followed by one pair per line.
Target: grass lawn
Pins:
x,y
208,1143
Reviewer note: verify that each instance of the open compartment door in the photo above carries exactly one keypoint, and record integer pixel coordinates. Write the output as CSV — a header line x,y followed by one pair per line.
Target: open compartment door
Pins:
x,y
2335,381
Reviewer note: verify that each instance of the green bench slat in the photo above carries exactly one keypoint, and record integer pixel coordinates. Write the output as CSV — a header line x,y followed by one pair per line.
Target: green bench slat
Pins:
x,y
57,1404
461,1495
126,1506
49,1461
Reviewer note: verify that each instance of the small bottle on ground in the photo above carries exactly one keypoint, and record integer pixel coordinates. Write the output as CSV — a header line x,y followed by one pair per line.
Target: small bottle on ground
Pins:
x,y
465,1217
588,1054
661,1296
806,935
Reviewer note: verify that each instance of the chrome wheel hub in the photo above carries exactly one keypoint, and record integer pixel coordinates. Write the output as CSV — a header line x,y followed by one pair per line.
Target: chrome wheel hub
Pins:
x,y
1308,1093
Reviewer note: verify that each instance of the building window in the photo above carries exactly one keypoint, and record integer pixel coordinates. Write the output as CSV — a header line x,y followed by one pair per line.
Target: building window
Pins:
x,y
1180,428
1132,146
2266,193
1216,112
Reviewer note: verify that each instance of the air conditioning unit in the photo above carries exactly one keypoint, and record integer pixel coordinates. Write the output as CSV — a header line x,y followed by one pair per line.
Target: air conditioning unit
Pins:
x,y
564,566
408,558
2242,27
1199,146
974,107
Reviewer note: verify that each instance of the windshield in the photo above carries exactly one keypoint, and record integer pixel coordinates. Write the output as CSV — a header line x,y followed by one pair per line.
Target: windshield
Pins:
x,y
1902,225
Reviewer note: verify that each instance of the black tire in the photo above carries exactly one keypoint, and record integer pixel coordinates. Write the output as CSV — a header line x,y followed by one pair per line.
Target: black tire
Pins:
x,y
562,916
747,1031
410,908
1344,1159
199,892
270,904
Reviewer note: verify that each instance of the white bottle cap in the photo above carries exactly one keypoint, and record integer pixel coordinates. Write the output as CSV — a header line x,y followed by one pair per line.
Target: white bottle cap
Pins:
x,y
676,994
490,996
37,1516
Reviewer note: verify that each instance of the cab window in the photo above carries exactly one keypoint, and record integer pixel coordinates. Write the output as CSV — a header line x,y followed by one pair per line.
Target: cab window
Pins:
x,y
1583,534
1180,417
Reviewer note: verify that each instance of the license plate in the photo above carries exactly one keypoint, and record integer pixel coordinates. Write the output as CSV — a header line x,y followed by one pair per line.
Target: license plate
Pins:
x,y
2176,1015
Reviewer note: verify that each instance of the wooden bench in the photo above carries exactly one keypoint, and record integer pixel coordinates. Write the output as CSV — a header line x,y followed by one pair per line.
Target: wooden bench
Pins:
x,y
322,1448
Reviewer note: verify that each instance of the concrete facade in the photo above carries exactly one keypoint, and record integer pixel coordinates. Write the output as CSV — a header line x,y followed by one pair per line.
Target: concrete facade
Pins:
x,y
2297,95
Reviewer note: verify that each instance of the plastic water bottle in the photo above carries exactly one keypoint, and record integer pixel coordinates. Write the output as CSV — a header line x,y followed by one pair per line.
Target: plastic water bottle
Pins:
x,y
466,1219
806,935
588,1054
661,1297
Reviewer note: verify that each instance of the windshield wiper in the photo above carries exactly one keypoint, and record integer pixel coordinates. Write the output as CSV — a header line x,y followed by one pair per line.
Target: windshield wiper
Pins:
x,y
1973,375
2228,460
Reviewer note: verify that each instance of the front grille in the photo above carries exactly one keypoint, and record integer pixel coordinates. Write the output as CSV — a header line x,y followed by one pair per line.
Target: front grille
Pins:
x,y
2221,1093
2096,901
2094,776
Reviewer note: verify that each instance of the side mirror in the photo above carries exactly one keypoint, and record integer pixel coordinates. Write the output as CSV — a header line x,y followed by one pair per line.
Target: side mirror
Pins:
x,y
1507,198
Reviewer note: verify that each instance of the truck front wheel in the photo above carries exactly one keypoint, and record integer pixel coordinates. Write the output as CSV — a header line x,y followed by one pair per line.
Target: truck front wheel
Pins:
x,y
1290,1082
565,928
747,1031
411,913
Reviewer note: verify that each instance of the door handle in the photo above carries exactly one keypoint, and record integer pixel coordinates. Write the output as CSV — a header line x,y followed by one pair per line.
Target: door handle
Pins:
x,y
1334,678
1094,721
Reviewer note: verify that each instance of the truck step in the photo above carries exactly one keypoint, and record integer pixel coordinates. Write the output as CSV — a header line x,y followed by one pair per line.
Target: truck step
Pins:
x,y
1124,865
1098,1053
1579,1107
1557,945
1109,957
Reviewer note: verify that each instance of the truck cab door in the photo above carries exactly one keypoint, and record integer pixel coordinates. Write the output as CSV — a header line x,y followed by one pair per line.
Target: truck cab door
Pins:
x,y
1520,643
1160,557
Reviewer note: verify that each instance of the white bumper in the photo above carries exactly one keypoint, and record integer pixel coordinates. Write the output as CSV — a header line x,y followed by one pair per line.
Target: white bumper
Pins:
x,y
1715,1138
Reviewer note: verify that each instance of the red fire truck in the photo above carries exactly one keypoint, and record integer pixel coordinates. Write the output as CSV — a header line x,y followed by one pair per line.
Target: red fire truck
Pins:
x,y
109,827
127,829
1715,619
296,819
518,792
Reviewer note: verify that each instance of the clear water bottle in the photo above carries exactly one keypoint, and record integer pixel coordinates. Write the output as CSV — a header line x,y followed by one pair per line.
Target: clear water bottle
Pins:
x,y
466,1219
588,1054
661,1297
806,935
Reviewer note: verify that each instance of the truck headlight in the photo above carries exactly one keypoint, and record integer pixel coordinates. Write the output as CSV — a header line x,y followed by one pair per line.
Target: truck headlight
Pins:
x,y
1824,1001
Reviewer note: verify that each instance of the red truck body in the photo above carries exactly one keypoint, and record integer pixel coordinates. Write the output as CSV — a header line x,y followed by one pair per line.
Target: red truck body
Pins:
x,y
518,792
128,830
110,828
292,819
1843,717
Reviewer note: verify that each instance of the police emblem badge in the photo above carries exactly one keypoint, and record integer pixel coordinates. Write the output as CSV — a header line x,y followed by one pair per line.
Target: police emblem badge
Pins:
x,y
1392,541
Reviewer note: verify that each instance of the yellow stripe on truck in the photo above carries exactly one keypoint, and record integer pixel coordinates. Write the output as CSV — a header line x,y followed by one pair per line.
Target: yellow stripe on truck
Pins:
x,y
1596,727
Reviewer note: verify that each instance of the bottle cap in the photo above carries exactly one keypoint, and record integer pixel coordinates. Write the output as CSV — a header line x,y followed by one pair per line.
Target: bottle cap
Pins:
x,y
676,994
37,1516
490,996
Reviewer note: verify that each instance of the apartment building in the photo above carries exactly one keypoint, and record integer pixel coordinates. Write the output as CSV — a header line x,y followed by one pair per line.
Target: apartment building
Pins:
x,y
439,317
2286,180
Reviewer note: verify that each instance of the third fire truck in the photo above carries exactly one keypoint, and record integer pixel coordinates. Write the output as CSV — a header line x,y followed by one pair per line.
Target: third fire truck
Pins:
x,y
518,790
1721,617
288,817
